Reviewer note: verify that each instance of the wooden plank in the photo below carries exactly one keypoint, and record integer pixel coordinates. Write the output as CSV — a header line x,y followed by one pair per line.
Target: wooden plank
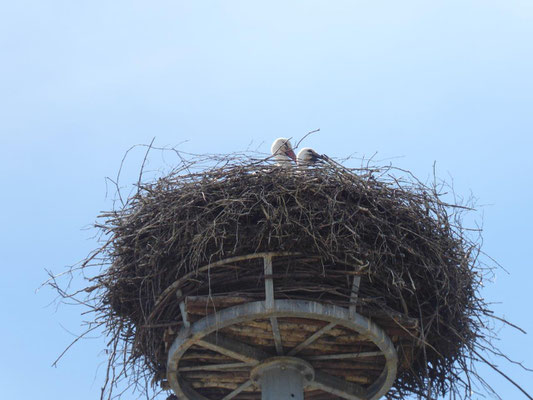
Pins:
x,y
309,325
202,305
319,345
351,367
205,355
216,367
345,355
232,348
213,384
218,376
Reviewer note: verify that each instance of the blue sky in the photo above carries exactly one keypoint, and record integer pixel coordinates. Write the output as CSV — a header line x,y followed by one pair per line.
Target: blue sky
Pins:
x,y
81,82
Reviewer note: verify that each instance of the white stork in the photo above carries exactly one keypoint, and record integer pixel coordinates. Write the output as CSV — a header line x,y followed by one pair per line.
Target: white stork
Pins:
x,y
282,151
308,157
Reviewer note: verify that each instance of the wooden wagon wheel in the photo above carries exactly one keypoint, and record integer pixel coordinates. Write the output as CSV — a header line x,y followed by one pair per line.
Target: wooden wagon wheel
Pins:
x,y
280,375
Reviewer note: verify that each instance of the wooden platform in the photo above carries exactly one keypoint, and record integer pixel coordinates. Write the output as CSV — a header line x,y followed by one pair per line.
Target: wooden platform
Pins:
x,y
329,348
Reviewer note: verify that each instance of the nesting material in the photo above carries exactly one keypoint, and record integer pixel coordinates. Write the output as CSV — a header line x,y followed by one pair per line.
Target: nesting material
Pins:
x,y
419,272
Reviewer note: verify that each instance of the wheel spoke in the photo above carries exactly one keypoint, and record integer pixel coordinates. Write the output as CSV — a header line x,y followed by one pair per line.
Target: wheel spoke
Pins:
x,y
208,333
277,335
189,392
311,338
232,348
338,387
238,390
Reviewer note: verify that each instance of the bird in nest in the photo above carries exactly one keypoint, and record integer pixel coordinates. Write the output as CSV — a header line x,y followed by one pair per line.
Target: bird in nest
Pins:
x,y
308,157
283,153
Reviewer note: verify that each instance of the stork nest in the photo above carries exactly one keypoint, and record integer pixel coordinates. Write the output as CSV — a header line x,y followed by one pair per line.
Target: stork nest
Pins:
x,y
410,248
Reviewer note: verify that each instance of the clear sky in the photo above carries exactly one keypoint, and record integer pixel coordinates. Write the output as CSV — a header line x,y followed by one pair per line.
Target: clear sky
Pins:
x,y
81,81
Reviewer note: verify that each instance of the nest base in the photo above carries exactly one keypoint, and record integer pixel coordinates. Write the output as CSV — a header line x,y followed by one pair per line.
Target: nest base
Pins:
x,y
227,343
214,357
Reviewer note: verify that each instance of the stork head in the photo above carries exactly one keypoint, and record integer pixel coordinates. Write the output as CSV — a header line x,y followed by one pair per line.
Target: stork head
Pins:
x,y
282,151
307,156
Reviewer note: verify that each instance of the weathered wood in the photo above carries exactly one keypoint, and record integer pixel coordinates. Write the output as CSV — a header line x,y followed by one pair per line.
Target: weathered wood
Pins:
x,y
217,376
269,302
269,283
178,283
392,317
213,384
241,388
252,392
294,335
338,387
203,305
320,346
327,348
316,395
354,294
363,378
306,325
277,335
290,331
183,312
232,348
217,367
354,356
397,323
231,331
347,368
307,342
205,355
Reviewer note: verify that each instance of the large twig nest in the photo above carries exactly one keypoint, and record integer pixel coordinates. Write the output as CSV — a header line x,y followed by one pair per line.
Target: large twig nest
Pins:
x,y
415,259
